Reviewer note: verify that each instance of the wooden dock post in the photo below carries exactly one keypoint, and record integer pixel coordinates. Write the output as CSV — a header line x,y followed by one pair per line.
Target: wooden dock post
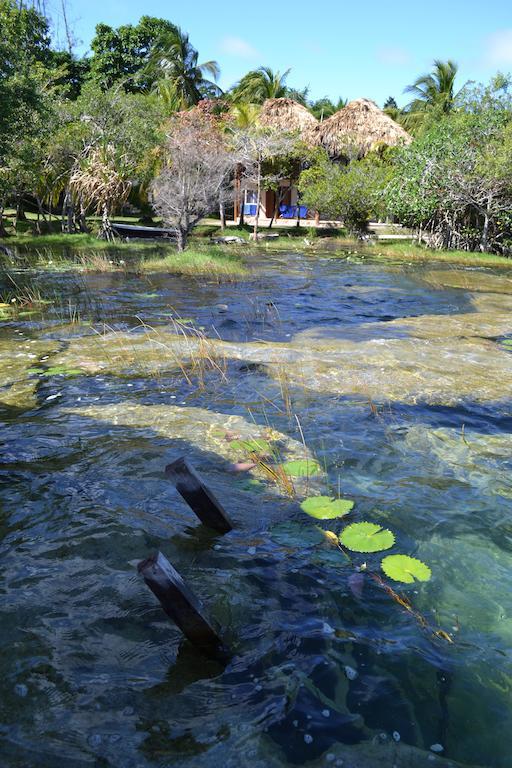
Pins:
x,y
199,498
180,603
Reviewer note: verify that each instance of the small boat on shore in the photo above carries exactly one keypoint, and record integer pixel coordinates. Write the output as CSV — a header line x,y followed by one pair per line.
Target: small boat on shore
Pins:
x,y
133,231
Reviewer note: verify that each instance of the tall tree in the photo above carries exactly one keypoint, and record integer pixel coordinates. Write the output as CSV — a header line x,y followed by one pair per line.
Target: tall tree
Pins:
x,y
175,69
121,55
24,56
392,109
324,108
100,133
99,181
261,84
433,92
196,175
71,72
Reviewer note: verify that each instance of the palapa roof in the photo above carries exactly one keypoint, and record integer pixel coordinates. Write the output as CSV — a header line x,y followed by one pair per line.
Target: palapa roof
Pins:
x,y
286,115
357,129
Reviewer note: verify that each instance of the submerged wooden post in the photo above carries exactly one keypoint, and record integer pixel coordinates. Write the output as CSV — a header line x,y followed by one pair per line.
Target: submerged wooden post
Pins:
x,y
199,498
180,603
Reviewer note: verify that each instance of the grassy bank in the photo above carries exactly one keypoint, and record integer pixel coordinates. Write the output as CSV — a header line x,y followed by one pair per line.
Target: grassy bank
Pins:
x,y
211,261
81,254
407,251
87,252
77,242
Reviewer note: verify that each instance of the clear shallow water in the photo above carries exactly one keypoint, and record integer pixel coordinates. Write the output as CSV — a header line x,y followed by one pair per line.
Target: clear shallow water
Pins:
x,y
403,393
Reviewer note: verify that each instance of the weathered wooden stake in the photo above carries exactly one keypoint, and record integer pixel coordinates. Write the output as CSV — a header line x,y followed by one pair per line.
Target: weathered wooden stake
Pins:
x,y
201,500
180,603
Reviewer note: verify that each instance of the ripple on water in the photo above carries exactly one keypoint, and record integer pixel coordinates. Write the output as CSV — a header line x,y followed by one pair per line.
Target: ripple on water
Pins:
x,y
409,417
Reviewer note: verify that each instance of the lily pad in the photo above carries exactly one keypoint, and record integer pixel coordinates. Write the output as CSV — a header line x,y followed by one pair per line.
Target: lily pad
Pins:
x,y
301,468
405,568
366,537
325,508
251,446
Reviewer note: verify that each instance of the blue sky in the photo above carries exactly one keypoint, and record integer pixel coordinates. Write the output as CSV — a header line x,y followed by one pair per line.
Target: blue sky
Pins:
x,y
347,49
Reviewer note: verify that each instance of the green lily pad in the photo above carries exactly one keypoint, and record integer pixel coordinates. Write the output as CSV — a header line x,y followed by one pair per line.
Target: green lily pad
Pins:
x,y
251,446
366,537
325,508
405,568
301,468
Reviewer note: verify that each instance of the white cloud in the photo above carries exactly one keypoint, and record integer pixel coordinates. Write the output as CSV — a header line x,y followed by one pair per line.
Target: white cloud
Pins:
x,y
235,46
393,55
499,48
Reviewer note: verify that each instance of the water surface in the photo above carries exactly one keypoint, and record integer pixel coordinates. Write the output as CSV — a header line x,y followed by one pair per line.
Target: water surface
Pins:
x,y
401,385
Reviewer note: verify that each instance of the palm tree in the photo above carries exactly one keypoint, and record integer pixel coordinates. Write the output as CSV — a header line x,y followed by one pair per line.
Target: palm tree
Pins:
x,y
434,90
99,181
244,115
392,109
175,61
261,84
324,108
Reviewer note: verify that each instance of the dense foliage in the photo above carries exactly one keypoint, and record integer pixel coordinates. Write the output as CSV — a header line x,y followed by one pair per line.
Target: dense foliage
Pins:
x,y
90,135
455,182
353,193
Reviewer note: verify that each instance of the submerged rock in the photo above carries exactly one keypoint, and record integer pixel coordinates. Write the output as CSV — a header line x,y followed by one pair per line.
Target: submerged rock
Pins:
x,y
435,359
17,385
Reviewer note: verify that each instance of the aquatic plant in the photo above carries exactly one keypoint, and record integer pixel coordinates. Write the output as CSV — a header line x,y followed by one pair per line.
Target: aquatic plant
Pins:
x,y
57,370
406,569
366,537
247,447
326,508
301,468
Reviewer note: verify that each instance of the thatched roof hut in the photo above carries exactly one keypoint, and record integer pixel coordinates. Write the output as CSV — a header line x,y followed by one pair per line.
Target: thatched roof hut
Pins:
x,y
287,115
357,129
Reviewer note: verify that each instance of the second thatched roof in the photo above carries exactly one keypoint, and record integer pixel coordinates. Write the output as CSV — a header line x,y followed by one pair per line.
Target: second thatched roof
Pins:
x,y
286,115
357,129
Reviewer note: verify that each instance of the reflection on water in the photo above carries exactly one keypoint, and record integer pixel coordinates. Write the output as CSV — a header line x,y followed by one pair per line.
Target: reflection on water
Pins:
x,y
402,389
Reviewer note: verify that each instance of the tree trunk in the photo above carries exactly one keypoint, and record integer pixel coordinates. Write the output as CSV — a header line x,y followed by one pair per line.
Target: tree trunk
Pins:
x,y
67,213
241,220
81,218
181,238
40,214
237,209
3,231
106,231
485,231
222,212
279,199
20,211
258,200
